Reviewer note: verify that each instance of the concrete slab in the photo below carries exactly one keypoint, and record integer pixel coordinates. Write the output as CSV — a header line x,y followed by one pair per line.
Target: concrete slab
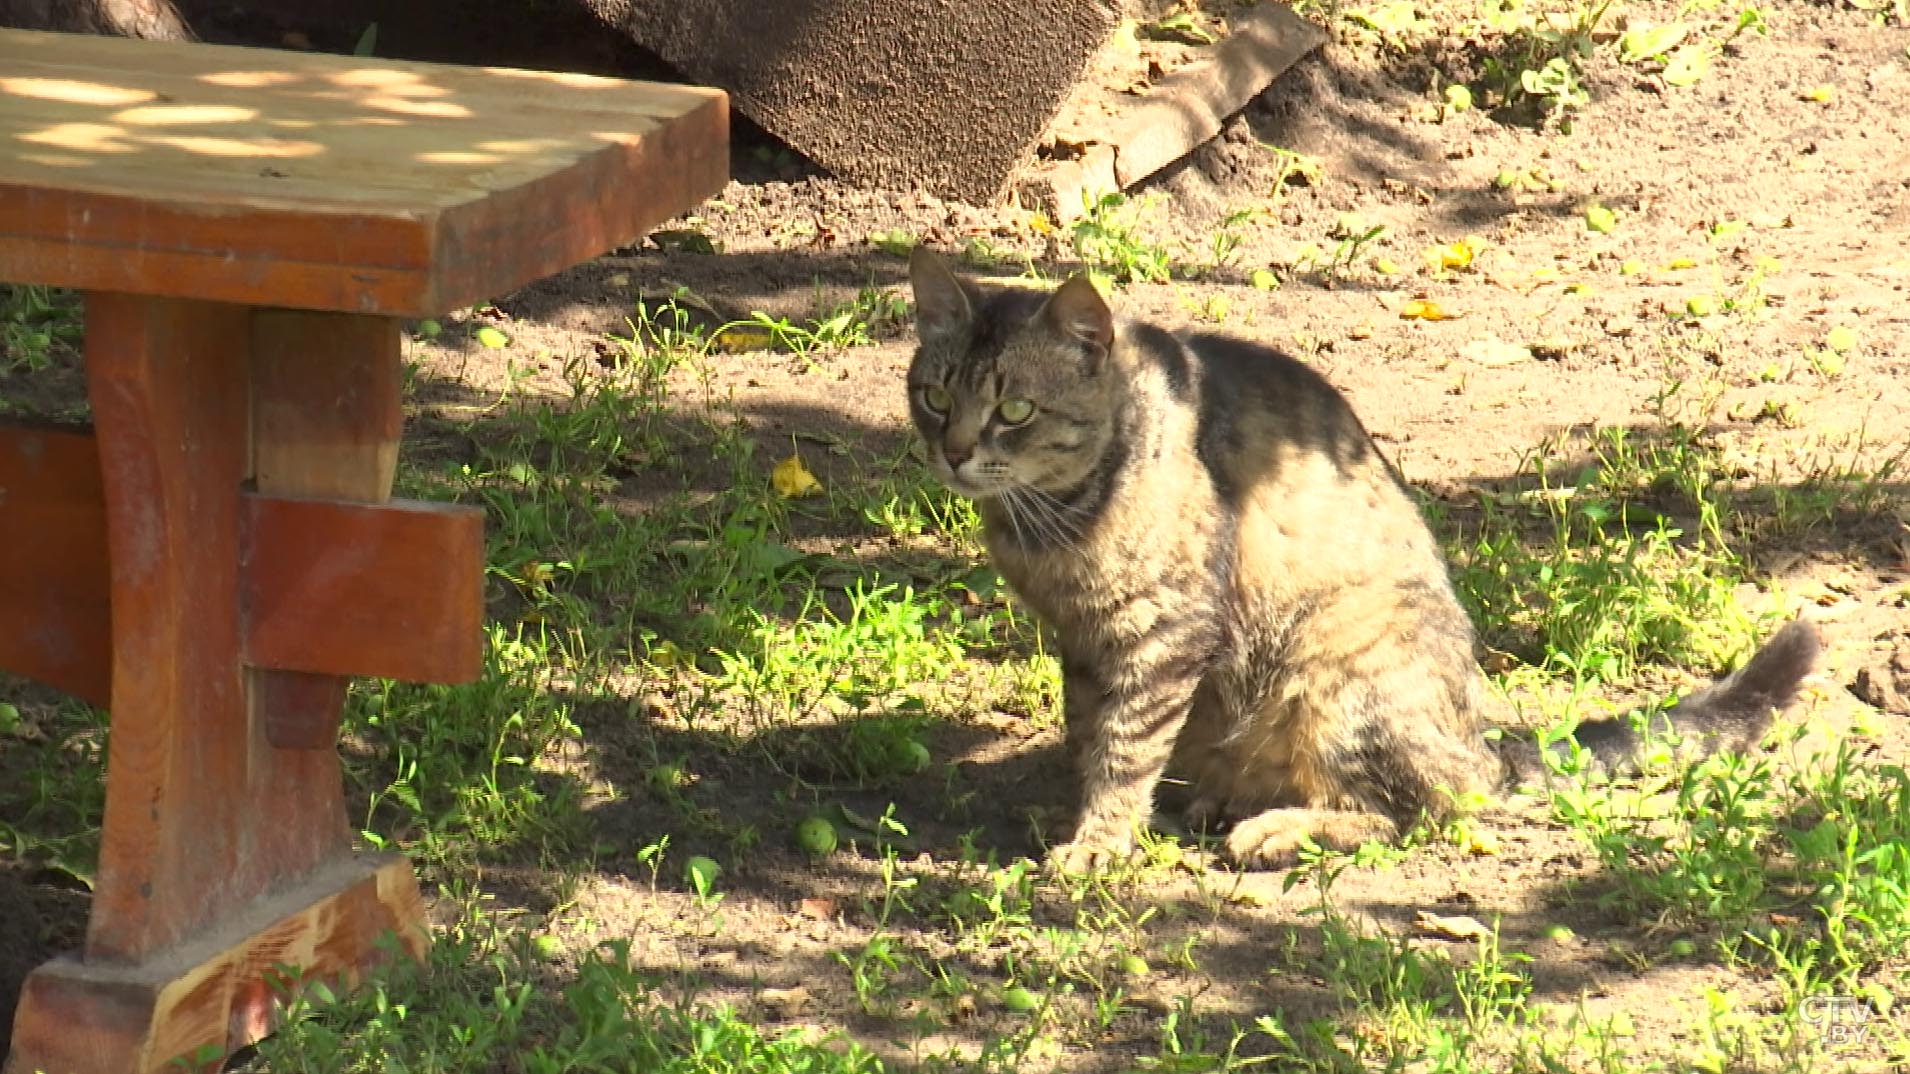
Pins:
x,y
946,95
1120,146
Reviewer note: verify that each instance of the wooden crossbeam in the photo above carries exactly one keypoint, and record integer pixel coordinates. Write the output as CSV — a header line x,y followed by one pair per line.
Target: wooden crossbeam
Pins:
x,y
55,615
391,590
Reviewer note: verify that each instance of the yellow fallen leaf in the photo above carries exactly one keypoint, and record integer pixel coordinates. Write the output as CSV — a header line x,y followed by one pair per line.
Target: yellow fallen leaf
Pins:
x,y
738,338
792,480
1680,263
1456,255
1820,94
1385,266
1423,309
1040,224
1482,843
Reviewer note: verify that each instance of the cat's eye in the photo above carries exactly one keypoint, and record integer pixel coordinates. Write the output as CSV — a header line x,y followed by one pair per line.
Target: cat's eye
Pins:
x,y
937,399
1015,411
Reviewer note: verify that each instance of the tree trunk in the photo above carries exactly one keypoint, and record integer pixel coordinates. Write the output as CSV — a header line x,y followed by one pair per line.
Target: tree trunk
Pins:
x,y
151,19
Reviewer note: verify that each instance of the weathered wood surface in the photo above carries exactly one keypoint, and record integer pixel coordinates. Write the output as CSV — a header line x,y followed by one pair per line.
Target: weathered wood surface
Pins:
x,y
55,605
326,182
221,552
330,587
221,988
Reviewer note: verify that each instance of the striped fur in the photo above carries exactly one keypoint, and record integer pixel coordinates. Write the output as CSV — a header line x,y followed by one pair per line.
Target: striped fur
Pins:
x,y
1243,592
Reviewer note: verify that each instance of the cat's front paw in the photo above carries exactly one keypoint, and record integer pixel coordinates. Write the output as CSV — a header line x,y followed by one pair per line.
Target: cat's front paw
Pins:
x,y
1090,853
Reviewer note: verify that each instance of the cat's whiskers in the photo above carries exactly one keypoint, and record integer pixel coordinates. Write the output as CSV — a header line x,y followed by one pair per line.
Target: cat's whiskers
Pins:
x,y
1057,528
1009,508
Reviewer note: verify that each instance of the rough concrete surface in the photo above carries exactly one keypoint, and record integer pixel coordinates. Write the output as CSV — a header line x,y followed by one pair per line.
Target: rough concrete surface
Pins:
x,y
947,95
1127,140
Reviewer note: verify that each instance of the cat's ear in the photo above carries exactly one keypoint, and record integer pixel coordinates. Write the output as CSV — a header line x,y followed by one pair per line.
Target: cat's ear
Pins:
x,y
1077,311
942,304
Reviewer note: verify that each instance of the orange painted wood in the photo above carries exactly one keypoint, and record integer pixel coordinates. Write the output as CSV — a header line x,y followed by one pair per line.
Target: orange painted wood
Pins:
x,y
202,814
358,589
327,415
55,606
329,588
87,1017
327,182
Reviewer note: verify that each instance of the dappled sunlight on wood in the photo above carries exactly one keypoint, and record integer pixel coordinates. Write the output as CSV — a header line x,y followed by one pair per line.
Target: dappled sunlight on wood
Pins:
x,y
370,131
168,114
55,89
324,181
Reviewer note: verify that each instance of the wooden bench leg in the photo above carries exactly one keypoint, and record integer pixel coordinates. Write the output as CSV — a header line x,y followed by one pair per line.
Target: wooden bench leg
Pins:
x,y
225,845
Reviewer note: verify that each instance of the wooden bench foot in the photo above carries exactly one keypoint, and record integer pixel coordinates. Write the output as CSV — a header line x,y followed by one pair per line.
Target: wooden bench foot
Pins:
x,y
244,467
208,995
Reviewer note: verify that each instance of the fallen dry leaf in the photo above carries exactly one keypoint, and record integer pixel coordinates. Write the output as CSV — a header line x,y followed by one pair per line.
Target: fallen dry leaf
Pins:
x,y
1482,843
1423,309
785,1002
792,480
1457,927
1495,352
817,909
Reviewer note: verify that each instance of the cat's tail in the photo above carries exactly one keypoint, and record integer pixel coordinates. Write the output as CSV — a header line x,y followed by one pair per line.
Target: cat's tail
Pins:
x,y
1733,713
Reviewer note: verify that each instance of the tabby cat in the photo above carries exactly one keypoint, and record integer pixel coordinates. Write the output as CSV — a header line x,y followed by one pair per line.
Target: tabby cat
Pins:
x,y
1243,593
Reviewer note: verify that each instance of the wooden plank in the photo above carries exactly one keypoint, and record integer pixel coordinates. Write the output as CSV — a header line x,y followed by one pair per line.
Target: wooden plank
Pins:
x,y
55,604
326,420
201,813
217,991
343,131
391,590
328,182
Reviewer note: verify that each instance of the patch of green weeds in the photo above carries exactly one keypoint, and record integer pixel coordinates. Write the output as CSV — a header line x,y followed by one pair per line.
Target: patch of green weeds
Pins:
x,y
51,793
1594,574
853,323
456,770
1543,53
484,1000
1107,239
1806,872
883,650
36,323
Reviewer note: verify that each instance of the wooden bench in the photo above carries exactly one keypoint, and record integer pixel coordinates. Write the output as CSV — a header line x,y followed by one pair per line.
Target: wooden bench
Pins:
x,y
216,554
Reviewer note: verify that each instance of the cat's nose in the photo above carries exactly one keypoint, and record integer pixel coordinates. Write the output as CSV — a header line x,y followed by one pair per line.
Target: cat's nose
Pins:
x,y
957,454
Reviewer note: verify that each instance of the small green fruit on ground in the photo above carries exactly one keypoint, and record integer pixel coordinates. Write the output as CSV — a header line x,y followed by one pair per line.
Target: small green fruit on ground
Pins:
x,y
9,716
1017,998
548,947
1683,948
1134,966
913,756
701,872
816,835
